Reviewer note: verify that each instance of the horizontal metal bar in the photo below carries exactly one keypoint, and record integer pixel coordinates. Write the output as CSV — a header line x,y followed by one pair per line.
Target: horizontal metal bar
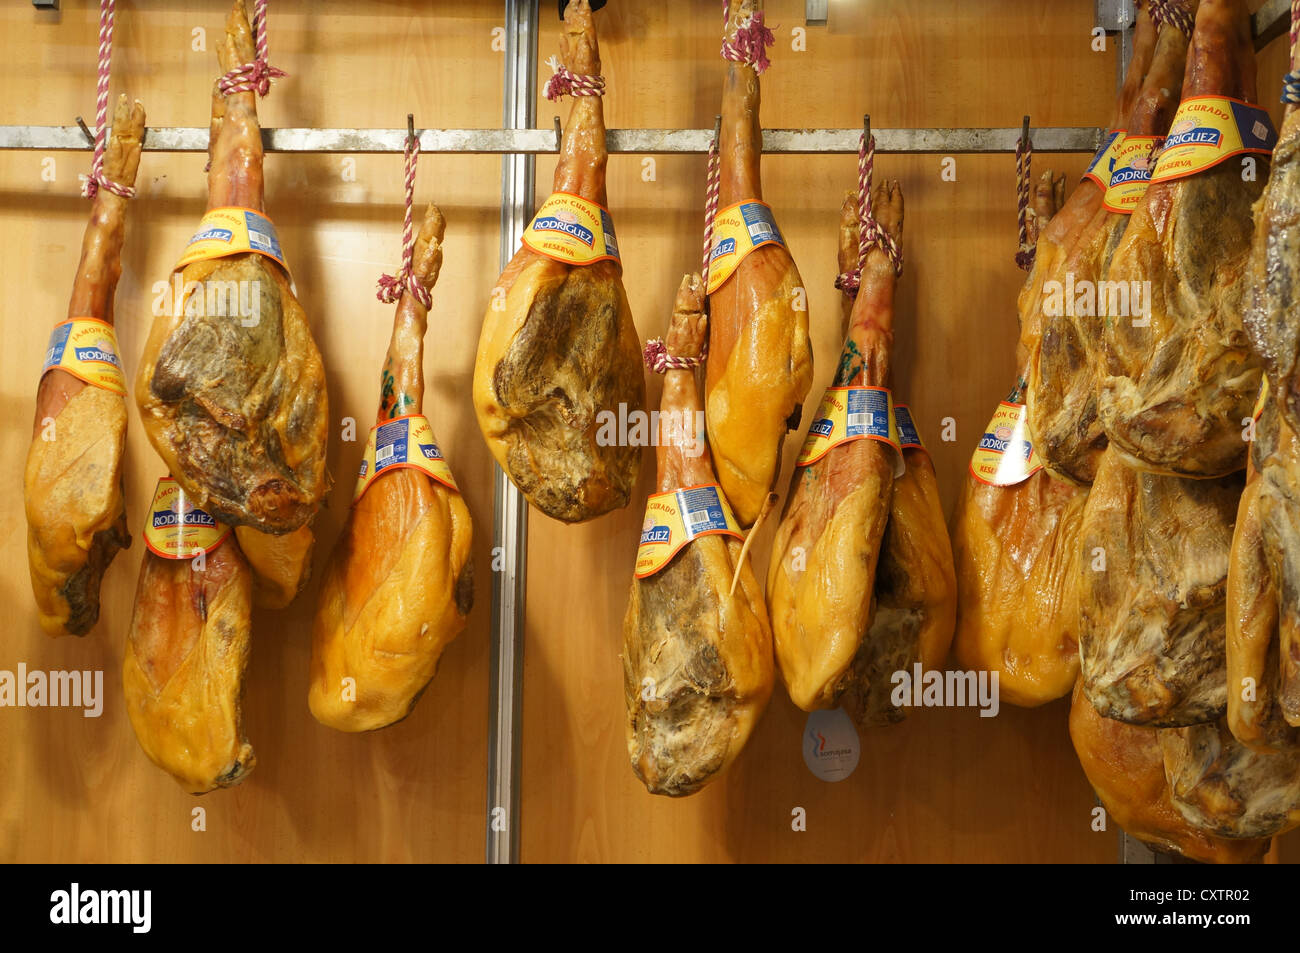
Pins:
x,y
1270,21
541,141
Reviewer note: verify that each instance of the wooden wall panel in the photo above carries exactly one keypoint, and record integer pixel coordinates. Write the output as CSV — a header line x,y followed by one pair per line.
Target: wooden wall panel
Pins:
x,y
79,789
944,785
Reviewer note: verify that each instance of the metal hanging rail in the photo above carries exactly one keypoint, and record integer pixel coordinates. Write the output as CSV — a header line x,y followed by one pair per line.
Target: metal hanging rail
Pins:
x,y
935,141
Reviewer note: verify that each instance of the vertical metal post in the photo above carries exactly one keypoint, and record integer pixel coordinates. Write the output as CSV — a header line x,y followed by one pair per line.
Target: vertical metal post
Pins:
x,y
510,525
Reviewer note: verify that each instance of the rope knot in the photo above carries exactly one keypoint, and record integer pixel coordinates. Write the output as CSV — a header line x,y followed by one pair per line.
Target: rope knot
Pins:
x,y
254,77
849,282
564,82
749,43
1173,13
658,360
392,286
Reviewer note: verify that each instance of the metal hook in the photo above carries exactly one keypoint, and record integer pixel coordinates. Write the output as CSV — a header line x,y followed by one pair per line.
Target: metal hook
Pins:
x,y
866,129
410,128
717,130
1024,132
559,134
90,136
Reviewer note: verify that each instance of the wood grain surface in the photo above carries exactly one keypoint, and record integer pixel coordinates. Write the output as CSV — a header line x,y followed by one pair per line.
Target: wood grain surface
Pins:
x,y
942,786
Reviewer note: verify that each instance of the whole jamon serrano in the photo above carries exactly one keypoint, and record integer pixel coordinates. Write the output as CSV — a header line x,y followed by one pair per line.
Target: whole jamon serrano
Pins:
x,y
558,352
1126,768
399,584
1015,536
697,649
188,647
1062,394
821,580
72,486
760,356
1064,426
1153,576
916,584
231,388
1176,384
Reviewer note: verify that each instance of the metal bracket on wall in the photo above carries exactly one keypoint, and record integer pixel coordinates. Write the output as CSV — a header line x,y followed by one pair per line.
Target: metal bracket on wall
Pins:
x,y
814,12
509,508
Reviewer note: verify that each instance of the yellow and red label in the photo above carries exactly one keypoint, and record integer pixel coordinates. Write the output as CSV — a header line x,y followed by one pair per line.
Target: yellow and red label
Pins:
x,y
737,230
573,230
401,443
852,413
233,231
176,528
1208,130
1005,455
1131,173
909,438
675,518
87,349
1103,163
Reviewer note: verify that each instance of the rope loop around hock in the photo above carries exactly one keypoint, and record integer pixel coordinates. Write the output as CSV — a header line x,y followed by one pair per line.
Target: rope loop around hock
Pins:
x,y
749,43
1172,12
97,180
1291,82
566,83
254,77
659,361
1024,160
392,286
870,234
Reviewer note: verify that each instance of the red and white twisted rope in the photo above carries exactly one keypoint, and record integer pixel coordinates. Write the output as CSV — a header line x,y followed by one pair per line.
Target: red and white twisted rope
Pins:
x,y
1173,13
254,77
566,83
869,231
749,43
658,360
711,189
1024,160
392,286
97,179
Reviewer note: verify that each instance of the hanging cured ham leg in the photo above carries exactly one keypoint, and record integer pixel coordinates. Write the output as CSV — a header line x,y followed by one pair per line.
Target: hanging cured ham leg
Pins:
x,y
1061,400
183,676
1264,573
72,486
697,650
916,585
231,388
760,357
822,577
559,354
398,586
1062,417
1126,767
1177,383
1015,535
